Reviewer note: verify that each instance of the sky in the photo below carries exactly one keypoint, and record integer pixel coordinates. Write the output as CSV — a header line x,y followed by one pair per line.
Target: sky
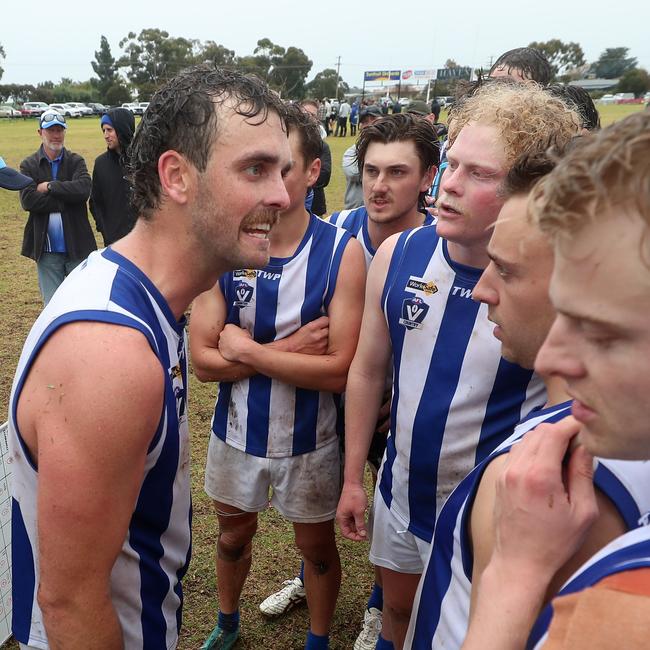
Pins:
x,y
366,36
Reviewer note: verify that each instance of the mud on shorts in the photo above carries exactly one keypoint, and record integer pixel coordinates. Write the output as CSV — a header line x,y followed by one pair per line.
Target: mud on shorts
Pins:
x,y
305,488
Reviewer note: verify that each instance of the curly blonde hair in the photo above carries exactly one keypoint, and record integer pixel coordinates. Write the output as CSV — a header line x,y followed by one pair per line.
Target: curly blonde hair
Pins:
x,y
608,169
526,116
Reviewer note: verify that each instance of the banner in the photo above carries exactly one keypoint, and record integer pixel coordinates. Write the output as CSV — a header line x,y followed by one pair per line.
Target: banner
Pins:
x,y
445,74
381,75
420,75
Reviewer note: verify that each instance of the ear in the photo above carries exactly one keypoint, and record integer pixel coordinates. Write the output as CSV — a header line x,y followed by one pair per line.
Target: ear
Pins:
x,y
428,178
314,171
176,175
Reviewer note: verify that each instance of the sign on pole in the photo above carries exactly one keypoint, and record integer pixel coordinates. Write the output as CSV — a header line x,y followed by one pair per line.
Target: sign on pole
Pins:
x,y
447,74
376,76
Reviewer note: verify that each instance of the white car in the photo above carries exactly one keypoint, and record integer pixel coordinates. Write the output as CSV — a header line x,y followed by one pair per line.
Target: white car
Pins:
x,y
607,99
134,107
85,110
66,110
9,111
143,106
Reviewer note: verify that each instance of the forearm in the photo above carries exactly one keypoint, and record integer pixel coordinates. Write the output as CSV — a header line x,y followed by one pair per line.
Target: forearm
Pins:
x,y
362,403
73,191
210,365
506,608
326,372
81,621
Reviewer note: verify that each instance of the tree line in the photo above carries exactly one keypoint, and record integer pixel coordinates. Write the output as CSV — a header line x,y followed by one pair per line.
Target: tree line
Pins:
x,y
149,58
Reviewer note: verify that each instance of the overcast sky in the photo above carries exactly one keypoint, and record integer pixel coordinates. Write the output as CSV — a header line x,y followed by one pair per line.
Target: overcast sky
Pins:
x,y
385,34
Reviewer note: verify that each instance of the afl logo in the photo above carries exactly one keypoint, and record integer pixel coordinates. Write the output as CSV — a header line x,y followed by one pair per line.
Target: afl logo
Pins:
x,y
414,312
243,294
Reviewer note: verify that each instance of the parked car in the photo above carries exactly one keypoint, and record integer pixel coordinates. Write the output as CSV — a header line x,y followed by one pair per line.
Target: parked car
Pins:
x,y
607,99
85,110
97,109
144,106
66,110
9,111
33,109
134,107
405,101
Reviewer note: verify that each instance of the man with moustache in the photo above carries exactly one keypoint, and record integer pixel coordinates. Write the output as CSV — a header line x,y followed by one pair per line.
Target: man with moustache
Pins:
x,y
98,418
594,207
57,234
279,341
515,288
454,398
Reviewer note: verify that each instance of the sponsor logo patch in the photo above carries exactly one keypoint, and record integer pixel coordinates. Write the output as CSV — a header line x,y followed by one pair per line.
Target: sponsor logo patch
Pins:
x,y
414,311
421,286
243,295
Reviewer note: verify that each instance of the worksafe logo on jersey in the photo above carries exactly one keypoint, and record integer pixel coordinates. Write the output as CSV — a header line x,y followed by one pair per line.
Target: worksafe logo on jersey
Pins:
x,y
251,274
243,295
414,311
421,286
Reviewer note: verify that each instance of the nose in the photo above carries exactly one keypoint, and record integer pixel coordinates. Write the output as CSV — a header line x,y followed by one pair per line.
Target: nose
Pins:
x,y
451,182
379,184
278,197
560,352
484,290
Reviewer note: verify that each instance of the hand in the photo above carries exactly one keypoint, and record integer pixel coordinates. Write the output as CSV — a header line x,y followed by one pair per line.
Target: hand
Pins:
x,y
312,338
233,342
351,512
430,206
42,187
543,510
383,417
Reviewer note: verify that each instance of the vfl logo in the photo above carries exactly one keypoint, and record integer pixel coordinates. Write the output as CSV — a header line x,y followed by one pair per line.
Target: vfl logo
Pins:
x,y
421,286
414,311
243,294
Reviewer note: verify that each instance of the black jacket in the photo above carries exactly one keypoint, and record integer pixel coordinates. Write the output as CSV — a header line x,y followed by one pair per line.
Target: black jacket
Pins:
x,y
68,195
109,199
319,206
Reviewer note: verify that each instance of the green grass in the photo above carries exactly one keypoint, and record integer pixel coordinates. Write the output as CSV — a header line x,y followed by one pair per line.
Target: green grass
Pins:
x,y
275,557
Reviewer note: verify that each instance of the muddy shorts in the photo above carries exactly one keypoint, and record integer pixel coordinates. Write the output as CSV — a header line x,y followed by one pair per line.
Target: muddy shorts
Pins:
x,y
305,489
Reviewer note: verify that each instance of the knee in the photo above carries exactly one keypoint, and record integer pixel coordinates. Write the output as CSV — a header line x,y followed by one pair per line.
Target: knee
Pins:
x,y
399,610
321,557
235,543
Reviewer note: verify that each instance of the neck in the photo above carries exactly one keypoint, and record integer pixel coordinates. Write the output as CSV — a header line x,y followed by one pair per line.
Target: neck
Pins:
x,y
52,155
474,255
288,233
160,251
379,232
555,390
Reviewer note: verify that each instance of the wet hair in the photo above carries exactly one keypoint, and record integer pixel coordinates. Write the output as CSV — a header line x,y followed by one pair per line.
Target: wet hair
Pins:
x,y
530,62
183,116
580,100
310,102
606,171
299,120
525,115
435,109
401,127
527,170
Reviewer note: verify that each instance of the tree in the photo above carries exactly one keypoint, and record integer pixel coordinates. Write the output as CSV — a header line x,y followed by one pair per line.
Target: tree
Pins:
x,y
105,67
324,84
451,64
289,72
153,56
2,56
117,94
216,54
635,81
614,63
561,56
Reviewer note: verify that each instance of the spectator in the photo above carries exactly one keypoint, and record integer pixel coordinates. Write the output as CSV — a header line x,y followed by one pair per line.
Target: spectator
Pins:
x,y
10,179
57,235
109,198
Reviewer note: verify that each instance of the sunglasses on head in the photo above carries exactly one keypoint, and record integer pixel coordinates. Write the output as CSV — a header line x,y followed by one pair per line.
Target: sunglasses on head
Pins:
x,y
50,117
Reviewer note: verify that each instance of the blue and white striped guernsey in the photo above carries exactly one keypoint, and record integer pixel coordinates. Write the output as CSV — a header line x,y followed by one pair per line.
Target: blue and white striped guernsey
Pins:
x,y
454,397
626,553
260,415
146,578
440,614
356,223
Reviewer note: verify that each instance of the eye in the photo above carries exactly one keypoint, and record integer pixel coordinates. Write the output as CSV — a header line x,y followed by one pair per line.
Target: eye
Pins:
x,y
254,170
398,172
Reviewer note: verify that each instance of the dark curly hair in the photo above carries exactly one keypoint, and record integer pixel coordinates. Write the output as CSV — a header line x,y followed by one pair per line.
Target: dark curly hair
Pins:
x,y
311,143
401,127
183,116
531,62
579,100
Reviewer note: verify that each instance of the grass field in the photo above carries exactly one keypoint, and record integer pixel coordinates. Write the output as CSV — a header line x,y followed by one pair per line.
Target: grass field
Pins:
x,y
275,557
